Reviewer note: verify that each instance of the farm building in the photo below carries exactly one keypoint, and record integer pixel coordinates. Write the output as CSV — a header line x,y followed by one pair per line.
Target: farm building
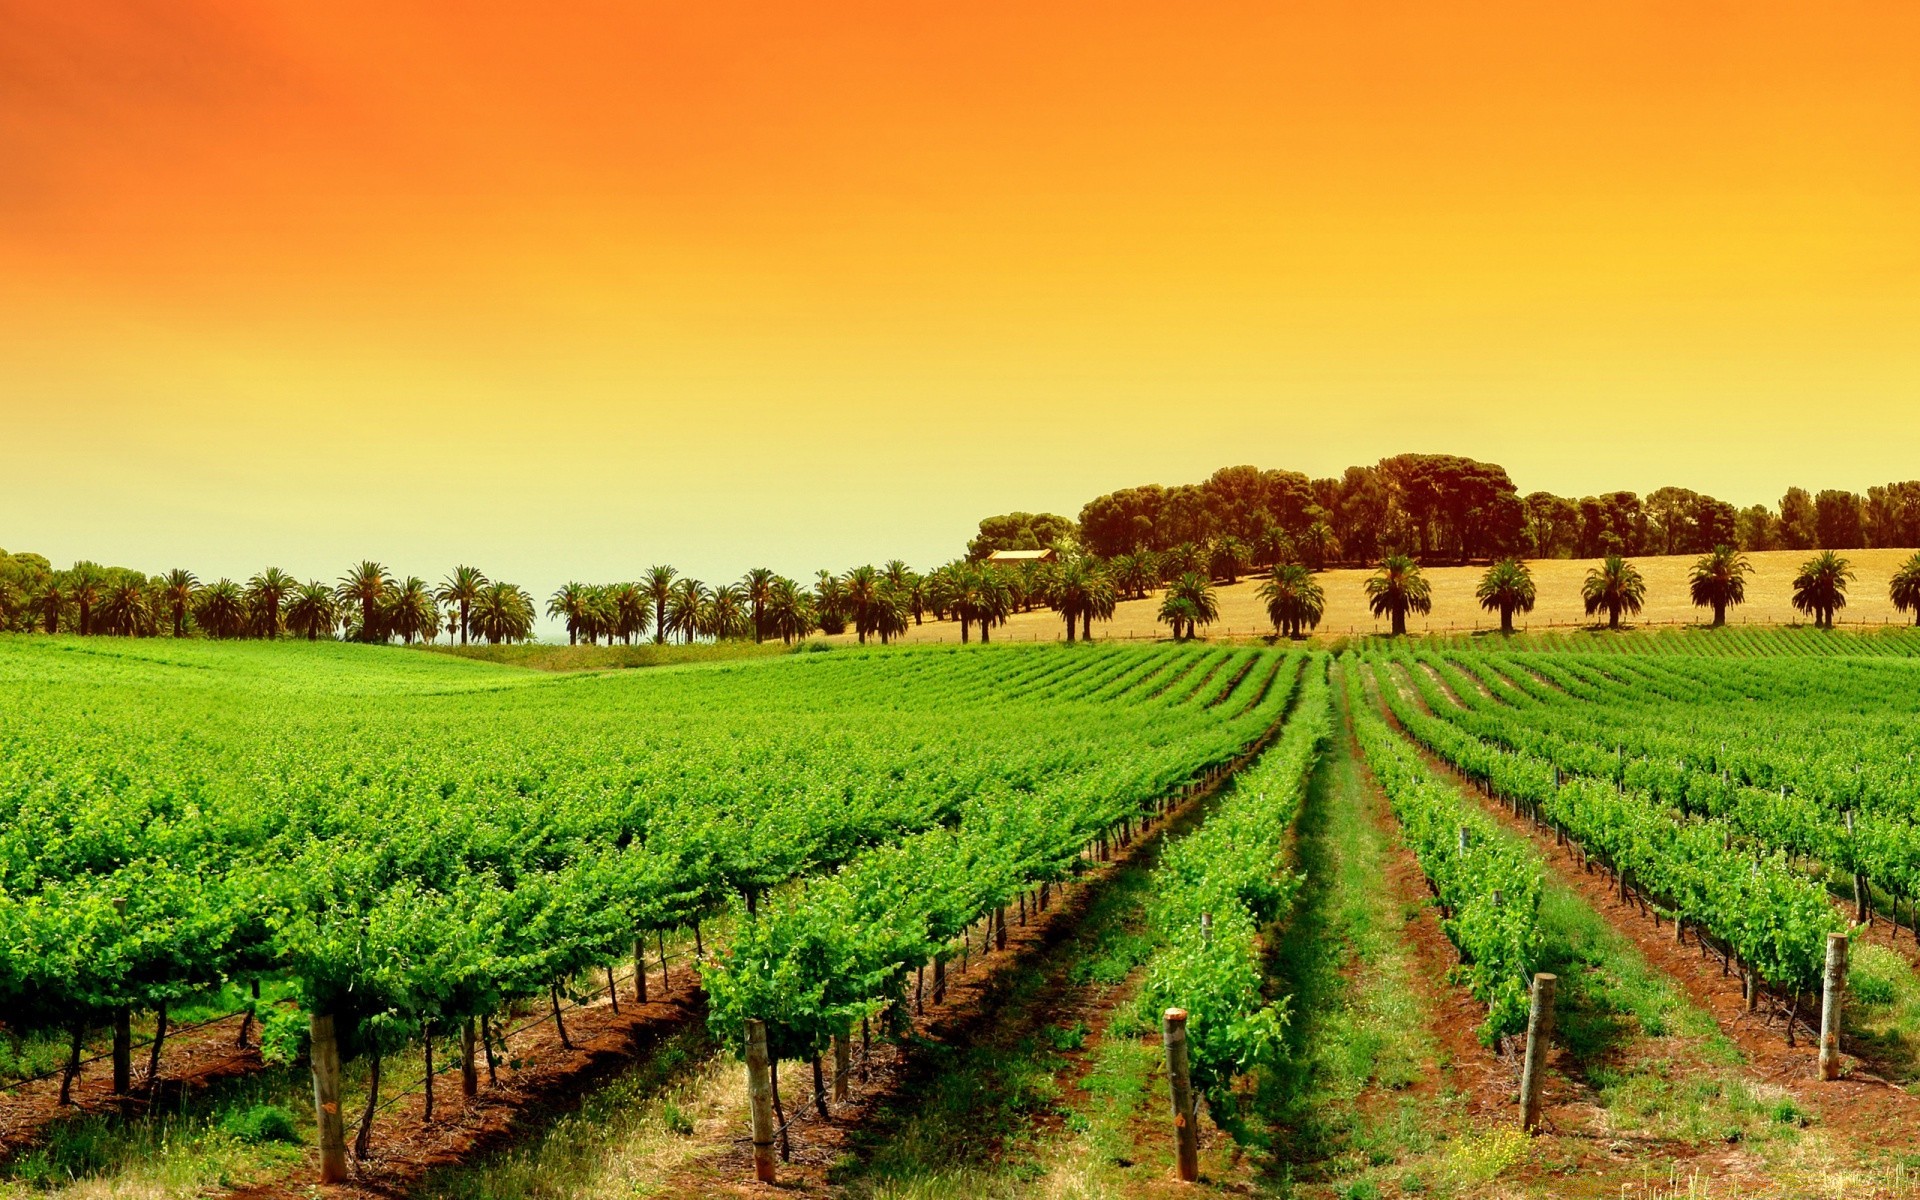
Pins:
x,y
1014,558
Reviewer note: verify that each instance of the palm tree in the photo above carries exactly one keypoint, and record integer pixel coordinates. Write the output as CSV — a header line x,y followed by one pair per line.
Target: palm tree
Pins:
x,y
829,603
1133,574
1295,602
1189,603
893,610
1103,599
365,586
410,610
632,614
1820,590
1318,546
312,611
503,613
992,600
789,611
265,591
1397,588
177,589
1229,559
727,614
570,604
124,607
1272,547
1718,580
1616,586
462,588
85,581
49,603
757,584
221,609
1906,587
1505,588
1071,594
860,590
685,608
658,584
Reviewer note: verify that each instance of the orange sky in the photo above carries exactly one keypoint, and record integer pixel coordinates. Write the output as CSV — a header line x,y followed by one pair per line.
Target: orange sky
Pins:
x,y
567,289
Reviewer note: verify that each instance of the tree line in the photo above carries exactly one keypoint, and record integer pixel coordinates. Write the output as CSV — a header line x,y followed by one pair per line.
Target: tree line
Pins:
x,y
1445,508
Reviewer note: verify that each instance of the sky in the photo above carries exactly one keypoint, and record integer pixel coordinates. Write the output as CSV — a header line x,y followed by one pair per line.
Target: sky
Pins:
x,y
566,290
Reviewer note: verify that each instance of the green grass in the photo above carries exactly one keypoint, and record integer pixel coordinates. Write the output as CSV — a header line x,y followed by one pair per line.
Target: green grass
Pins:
x,y
540,656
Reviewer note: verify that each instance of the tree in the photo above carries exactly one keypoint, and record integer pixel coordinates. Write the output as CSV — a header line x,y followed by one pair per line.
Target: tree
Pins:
x,y
462,588
1189,603
125,608
569,604
1021,531
860,589
658,584
1072,593
757,584
992,600
726,614
686,607
85,582
1397,588
1506,588
1718,581
632,612
829,604
312,611
365,587
409,610
1134,575
789,611
1839,520
221,609
177,589
50,602
265,592
503,613
1616,586
1820,589
1229,559
1906,588
1295,602
1797,529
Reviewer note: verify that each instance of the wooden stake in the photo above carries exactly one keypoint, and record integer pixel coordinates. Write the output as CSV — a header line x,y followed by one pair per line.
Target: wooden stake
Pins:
x,y
122,1051
760,1096
426,1044
640,970
842,1067
1539,1034
1186,1138
469,1076
1833,985
159,1040
332,1132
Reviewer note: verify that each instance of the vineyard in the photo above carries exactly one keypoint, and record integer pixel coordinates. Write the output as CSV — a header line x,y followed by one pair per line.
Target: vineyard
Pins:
x,y
365,857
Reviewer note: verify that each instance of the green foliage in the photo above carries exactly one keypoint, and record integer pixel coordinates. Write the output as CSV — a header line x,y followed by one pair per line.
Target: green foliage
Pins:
x,y
261,1123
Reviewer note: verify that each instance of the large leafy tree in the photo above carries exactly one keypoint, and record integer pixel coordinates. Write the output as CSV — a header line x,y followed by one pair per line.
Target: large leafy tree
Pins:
x,y
178,587
1615,586
365,588
461,589
1905,590
1506,588
1820,589
1294,600
1397,588
312,611
1719,581
265,593
658,584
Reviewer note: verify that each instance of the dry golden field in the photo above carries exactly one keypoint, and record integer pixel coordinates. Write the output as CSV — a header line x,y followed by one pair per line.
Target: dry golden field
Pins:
x,y
1769,593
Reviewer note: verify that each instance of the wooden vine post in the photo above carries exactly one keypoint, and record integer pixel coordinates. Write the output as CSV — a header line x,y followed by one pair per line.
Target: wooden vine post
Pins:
x,y
1834,982
332,1131
1186,1138
842,1067
760,1095
1539,1034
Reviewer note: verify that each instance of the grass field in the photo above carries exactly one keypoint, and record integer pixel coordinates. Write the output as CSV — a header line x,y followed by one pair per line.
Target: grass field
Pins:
x,y
1769,601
